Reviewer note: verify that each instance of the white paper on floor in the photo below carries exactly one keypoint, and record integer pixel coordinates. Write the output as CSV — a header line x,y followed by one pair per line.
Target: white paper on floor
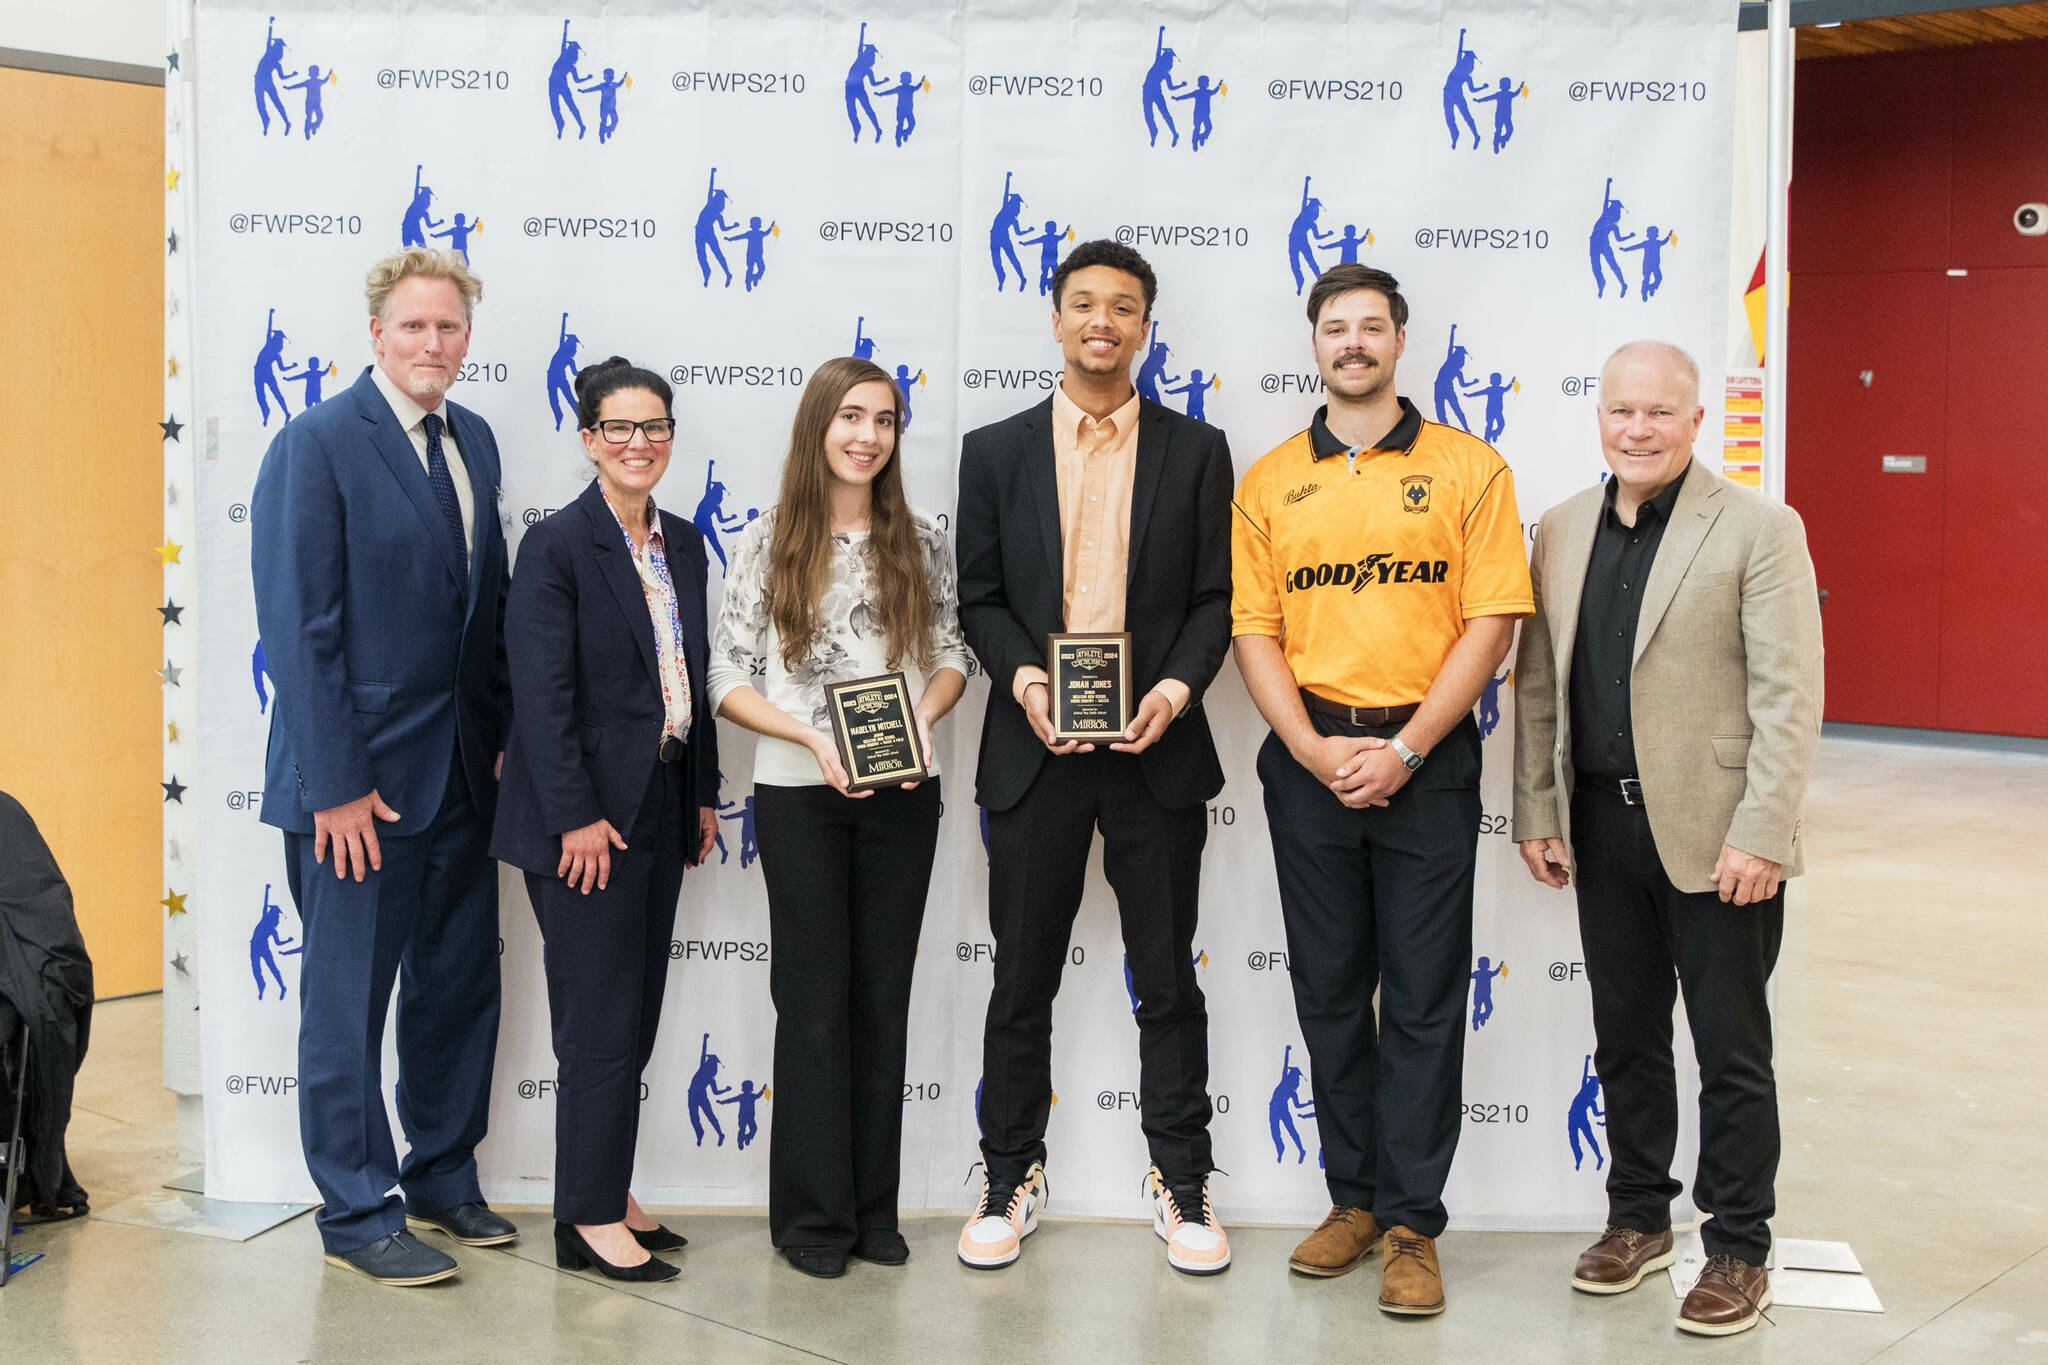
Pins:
x,y
183,1211
1804,1274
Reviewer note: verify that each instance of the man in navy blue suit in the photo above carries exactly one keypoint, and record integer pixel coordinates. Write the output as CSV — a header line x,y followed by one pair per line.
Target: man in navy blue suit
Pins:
x,y
380,580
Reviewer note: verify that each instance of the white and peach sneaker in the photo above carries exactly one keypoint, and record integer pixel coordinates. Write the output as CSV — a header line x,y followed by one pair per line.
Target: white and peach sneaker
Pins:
x,y
1004,1217
1185,1220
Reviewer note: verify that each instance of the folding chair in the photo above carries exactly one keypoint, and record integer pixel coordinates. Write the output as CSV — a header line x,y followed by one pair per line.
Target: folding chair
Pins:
x,y
11,1158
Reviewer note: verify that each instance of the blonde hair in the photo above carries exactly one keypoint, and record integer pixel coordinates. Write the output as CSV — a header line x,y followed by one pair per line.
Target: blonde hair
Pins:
x,y
427,263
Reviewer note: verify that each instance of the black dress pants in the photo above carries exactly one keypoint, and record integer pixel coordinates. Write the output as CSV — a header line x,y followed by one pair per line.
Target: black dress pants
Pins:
x,y
1381,898
606,960
1645,941
846,884
1038,861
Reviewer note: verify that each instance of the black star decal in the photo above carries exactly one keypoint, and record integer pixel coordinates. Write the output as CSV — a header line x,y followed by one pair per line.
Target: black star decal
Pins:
x,y
171,611
173,240
174,790
171,62
172,427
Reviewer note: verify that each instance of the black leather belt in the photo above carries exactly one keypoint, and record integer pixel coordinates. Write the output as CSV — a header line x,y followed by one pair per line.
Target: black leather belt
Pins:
x,y
1358,715
1629,789
671,750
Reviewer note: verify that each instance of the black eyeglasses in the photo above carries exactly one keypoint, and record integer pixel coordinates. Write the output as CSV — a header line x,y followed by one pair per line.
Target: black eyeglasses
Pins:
x,y
618,431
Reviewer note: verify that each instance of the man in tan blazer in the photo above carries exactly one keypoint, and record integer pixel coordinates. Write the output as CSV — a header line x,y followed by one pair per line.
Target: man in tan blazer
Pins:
x,y
1668,701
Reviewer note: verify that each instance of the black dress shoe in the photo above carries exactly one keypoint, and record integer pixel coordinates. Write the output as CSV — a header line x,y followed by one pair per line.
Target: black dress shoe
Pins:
x,y
822,1262
573,1253
660,1239
472,1224
398,1259
883,1246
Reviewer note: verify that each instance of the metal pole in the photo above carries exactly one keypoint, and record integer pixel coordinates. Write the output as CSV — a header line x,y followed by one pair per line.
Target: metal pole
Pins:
x,y
1778,169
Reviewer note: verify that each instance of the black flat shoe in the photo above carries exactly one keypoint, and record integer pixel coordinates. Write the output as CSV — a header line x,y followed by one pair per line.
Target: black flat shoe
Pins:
x,y
822,1262
661,1239
573,1253
883,1246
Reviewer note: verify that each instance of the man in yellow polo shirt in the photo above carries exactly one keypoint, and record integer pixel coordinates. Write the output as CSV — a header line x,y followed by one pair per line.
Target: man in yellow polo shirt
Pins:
x,y
1378,570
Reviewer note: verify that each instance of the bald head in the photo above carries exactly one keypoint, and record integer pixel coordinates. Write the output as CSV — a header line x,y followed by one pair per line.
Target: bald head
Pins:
x,y
1649,414
1657,361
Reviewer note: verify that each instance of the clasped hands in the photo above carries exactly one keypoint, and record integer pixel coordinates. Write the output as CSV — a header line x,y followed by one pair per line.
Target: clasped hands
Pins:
x,y
1360,770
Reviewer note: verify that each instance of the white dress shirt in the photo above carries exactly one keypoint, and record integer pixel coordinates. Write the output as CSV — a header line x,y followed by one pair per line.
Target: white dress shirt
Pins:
x,y
413,418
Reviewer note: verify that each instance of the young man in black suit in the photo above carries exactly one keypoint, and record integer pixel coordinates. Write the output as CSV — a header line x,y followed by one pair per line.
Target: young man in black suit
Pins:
x,y
1096,511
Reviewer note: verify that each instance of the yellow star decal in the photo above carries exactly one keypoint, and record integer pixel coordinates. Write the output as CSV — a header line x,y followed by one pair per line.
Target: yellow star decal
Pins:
x,y
171,366
168,552
171,178
174,903
170,732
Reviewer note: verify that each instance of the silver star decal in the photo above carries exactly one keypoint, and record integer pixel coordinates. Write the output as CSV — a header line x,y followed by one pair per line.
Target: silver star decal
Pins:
x,y
178,964
170,495
169,673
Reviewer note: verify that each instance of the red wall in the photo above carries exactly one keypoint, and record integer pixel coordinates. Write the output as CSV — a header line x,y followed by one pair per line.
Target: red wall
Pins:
x,y
1904,169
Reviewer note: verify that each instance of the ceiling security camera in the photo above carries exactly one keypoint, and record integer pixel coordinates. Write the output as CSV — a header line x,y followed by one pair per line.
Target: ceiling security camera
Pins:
x,y
2031,220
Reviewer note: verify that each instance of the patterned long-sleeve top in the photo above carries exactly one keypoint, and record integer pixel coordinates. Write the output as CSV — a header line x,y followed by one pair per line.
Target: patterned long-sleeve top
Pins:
x,y
747,651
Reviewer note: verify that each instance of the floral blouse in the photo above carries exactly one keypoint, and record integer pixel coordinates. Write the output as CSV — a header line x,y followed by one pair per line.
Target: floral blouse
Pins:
x,y
747,651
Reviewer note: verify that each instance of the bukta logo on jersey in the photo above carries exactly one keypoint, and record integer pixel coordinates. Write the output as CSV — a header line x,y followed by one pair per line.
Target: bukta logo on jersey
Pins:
x,y
566,81
1159,88
1374,568
272,80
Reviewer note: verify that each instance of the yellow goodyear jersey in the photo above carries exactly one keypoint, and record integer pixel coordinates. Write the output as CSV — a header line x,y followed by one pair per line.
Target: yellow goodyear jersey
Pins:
x,y
1366,565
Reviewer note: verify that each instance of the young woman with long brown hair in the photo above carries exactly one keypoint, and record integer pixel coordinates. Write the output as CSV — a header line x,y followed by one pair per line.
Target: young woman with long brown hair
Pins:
x,y
839,580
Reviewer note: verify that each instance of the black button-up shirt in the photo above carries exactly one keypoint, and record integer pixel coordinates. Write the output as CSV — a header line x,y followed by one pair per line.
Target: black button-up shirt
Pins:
x,y
1603,653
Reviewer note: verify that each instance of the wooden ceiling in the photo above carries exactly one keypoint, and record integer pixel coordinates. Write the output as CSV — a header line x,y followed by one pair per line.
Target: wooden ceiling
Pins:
x,y
1914,32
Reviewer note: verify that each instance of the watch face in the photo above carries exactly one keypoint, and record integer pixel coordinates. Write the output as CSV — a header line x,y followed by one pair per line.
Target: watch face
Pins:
x,y
1413,761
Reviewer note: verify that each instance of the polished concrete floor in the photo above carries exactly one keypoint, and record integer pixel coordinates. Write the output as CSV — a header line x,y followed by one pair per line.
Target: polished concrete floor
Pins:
x,y
1913,1079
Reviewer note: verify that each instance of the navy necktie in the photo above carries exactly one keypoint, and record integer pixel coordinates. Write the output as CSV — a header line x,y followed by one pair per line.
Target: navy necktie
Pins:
x,y
444,493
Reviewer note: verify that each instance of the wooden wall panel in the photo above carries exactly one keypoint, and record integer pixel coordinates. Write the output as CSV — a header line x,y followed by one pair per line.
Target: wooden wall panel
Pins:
x,y
81,497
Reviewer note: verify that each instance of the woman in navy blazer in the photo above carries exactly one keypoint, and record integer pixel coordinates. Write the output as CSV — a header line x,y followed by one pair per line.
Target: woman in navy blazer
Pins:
x,y
610,790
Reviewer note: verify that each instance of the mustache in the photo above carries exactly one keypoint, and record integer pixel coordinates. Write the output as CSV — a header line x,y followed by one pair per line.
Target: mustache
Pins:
x,y
1348,356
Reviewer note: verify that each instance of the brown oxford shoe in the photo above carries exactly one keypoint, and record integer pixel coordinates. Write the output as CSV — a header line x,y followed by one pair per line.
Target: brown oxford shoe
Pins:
x,y
1729,1298
1618,1261
1410,1281
1345,1238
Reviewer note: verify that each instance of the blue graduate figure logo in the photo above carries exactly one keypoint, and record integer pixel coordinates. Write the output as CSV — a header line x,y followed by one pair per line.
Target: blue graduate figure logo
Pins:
x,y
272,371
713,230
1006,233
1159,91
863,87
272,80
566,81
267,943
1461,92
1607,239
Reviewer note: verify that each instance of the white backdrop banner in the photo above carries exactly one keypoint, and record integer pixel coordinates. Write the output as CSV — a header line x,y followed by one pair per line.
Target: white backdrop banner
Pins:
x,y
733,194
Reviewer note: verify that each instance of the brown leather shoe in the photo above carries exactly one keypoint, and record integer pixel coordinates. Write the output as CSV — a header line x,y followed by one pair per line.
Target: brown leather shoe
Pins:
x,y
1618,1261
1729,1298
1410,1282
1345,1238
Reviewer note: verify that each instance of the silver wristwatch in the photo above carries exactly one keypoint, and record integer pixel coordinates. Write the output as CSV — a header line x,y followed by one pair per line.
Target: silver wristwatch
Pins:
x,y
1409,758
